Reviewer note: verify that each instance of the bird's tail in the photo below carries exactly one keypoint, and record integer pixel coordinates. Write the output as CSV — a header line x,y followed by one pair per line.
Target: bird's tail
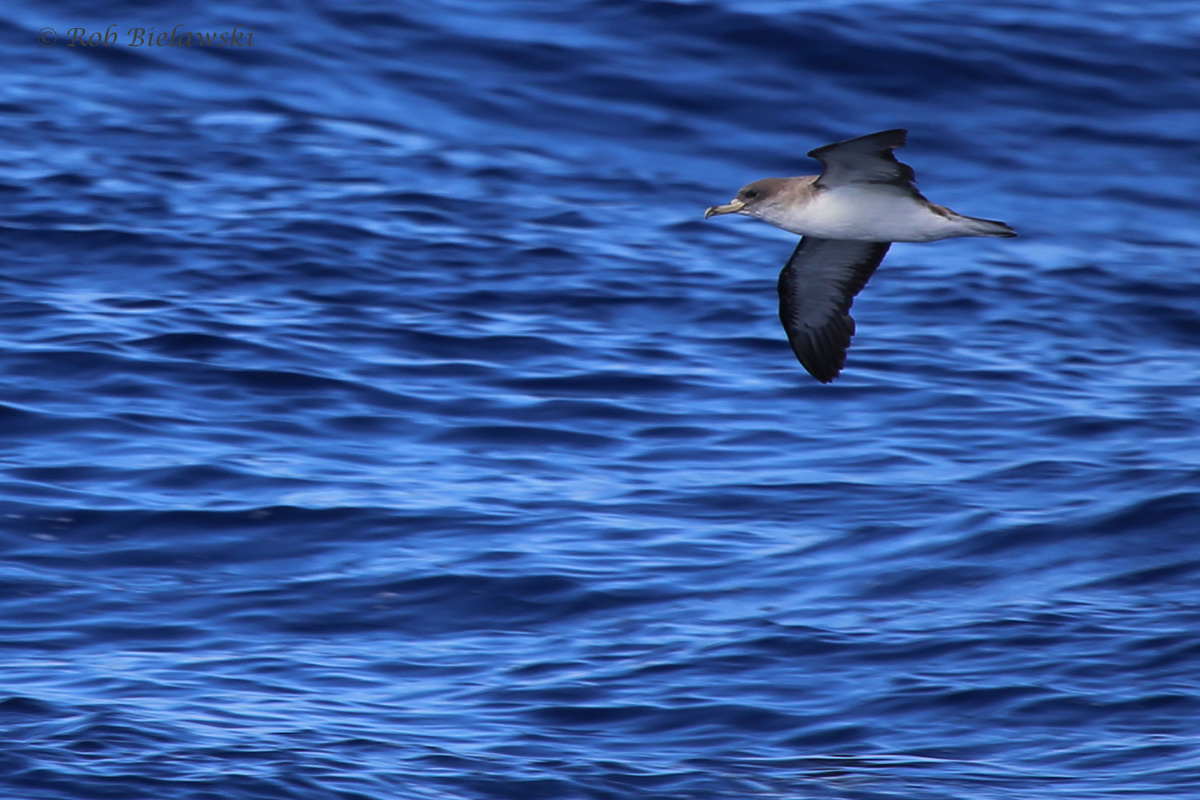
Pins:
x,y
973,226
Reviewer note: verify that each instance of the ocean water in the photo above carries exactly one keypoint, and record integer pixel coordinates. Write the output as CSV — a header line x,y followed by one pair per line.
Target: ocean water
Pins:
x,y
381,418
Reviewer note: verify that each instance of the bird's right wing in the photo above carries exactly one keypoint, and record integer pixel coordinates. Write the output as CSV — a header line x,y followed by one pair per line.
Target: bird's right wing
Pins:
x,y
816,289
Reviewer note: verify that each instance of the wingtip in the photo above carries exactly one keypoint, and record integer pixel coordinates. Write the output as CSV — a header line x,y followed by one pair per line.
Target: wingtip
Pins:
x,y
823,365
825,372
888,140
894,137
822,376
820,367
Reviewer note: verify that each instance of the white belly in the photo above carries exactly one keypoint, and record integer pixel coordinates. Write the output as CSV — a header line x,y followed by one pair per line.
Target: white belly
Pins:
x,y
869,215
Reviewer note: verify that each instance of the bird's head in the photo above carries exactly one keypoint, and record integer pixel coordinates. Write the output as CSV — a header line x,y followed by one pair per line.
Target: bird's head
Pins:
x,y
752,199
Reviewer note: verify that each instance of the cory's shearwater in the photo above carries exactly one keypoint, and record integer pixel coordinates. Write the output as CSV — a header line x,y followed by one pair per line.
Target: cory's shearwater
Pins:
x,y
849,215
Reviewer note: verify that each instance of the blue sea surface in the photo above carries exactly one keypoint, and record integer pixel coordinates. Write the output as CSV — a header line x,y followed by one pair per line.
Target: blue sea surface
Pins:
x,y
382,419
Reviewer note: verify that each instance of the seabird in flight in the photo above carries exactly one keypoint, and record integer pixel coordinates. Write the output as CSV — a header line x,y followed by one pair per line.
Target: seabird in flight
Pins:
x,y
849,215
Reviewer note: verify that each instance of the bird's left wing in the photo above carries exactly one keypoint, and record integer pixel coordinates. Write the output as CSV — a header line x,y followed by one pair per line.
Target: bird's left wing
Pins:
x,y
816,289
867,159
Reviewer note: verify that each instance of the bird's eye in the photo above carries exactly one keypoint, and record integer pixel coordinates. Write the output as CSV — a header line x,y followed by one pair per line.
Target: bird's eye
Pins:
x,y
750,194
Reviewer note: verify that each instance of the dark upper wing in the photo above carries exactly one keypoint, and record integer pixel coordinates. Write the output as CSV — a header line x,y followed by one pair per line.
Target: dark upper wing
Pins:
x,y
816,289
867,159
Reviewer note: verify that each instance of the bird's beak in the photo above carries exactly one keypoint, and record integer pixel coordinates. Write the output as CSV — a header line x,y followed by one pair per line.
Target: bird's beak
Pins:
x,y
729,208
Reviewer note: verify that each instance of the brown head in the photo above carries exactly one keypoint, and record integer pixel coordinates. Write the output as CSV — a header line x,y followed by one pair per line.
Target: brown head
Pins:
x,y
754,199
